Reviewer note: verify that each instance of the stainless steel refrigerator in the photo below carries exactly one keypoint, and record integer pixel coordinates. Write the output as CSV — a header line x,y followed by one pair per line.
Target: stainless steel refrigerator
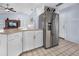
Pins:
x,y
49,22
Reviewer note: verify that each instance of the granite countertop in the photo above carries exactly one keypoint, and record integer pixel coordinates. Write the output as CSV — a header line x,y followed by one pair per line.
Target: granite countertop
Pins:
x,y
10,31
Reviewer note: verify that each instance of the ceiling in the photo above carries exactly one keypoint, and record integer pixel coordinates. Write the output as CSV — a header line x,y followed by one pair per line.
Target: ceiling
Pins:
x,y
23,7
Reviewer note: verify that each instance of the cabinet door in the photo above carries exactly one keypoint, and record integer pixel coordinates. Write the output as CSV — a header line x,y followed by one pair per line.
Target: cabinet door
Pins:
x,y
28,40
3,45
38,38
14,44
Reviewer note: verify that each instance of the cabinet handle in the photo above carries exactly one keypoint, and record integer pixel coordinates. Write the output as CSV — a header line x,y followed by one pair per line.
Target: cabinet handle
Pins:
x,y
0,42
34,37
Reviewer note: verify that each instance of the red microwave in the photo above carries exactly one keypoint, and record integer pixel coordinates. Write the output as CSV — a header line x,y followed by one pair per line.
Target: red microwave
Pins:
x,y
11,23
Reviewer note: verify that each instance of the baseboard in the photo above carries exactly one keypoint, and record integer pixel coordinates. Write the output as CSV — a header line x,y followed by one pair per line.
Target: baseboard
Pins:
x,y
28,51
62,38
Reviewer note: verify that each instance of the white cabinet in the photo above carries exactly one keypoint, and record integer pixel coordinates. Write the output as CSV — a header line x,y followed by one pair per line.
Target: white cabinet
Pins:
x,y
14,44
38,38
3,45
32,39
28,40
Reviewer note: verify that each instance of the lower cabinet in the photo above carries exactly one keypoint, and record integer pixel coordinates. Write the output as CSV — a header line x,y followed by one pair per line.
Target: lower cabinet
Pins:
x,y
3,45
32,40
38,39
28,40
14,44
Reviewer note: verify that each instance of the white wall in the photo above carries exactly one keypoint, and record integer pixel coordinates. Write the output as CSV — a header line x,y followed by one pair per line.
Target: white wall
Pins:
x,y
24,11
60,10
69,21
18,16
23,17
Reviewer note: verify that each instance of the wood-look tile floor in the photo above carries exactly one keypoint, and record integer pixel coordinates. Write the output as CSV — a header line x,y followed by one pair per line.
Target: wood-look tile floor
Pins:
x,y
65,48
